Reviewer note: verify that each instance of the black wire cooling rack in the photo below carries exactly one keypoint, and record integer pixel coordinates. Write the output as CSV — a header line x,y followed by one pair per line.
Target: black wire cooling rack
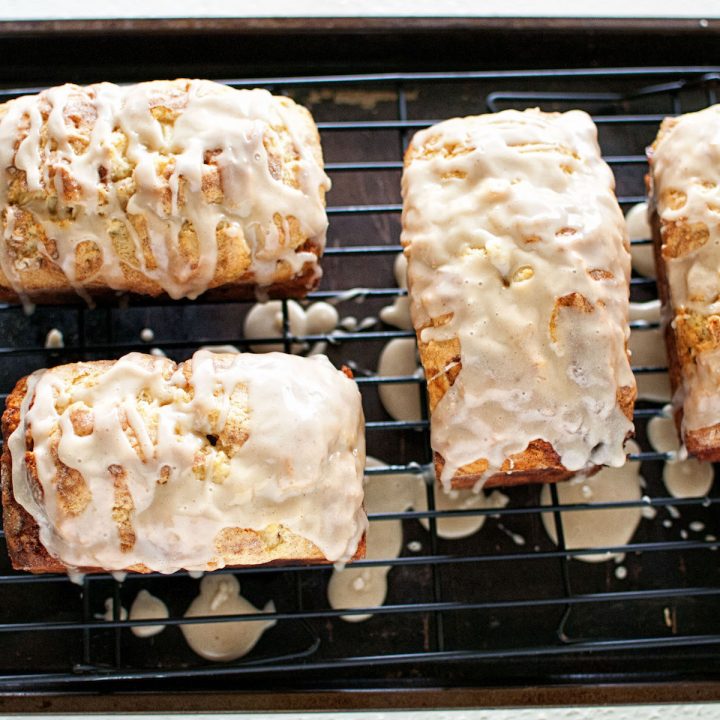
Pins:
x,y
504,606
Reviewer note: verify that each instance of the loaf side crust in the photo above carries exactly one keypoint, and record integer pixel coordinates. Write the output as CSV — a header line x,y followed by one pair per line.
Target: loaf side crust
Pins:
x,y
702,443
297,287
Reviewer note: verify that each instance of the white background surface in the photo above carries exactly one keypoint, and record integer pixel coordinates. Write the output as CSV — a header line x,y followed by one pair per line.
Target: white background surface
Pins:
x,y
58,9
664,712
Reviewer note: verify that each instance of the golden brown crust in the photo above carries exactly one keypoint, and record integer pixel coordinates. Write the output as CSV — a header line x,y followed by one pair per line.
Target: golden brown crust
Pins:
x,y
687,337
306,281
21,531
238,546
538,463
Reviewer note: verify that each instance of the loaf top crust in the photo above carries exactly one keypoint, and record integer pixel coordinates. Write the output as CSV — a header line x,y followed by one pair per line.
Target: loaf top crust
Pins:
x,y
142,464
685,191
518,269
167,187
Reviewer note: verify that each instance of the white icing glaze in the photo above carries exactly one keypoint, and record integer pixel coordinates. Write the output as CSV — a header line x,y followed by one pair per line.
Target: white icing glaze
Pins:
x,y
688,478
318,348
512,213
597,528
648,312
224,641
649,512
683,478
218,122
75,577
16,443
638,227
54,339
400,270
220,349
647,347
147,335
321,317
367,586
108,615
351,588
462,526
401,400
687,160
290,452
517,538
265,320
357,295
662,434
349,323
398,314
147,607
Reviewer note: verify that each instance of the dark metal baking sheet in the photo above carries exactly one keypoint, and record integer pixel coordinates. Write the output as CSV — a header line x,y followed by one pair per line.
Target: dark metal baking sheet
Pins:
x,y
477,613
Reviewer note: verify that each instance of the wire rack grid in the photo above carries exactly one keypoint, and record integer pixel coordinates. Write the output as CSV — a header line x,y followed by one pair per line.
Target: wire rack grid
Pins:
x,y
503,605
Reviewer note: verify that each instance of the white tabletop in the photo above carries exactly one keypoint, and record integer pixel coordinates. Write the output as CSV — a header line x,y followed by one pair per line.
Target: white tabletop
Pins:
x,y
106,9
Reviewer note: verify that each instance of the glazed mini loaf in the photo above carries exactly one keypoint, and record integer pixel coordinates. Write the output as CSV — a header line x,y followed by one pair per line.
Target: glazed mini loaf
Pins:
x,y
684,189
518,272
166,187
143,465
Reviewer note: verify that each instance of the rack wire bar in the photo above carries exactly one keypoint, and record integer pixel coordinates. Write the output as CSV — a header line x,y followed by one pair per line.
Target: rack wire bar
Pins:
x,y
470,606
418,607
99,674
